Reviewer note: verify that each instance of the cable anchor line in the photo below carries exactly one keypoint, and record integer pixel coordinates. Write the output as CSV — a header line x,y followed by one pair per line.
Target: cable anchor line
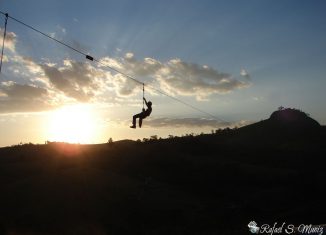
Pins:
x,y
4,38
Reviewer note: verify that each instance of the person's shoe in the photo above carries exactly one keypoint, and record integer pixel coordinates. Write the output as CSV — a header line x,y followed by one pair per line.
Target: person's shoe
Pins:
x,y
133,127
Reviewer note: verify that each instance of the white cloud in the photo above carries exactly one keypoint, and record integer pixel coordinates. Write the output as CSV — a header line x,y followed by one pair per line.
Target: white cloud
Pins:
x,y
177,77
107,61
10,41
244,73
5,58
75,81
129,56
62,29
90,82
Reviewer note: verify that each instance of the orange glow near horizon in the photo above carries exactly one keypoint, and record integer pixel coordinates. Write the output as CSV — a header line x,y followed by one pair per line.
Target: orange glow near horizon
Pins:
x,y
72,124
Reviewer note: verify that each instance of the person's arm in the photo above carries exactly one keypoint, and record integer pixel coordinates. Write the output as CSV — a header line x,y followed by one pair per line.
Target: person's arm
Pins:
x,y
145,102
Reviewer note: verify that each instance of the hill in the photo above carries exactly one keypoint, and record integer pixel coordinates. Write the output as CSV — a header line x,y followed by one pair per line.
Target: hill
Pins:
x,y
209,184
283,125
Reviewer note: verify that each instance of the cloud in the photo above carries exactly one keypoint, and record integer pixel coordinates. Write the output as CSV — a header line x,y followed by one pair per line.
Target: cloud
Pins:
x,y
75,79
244,73
123,86
29,64
191,123
145,69
177,77
61,29
55,84
14,90
52,34
70,80
59,32
83,81
22,98
10,41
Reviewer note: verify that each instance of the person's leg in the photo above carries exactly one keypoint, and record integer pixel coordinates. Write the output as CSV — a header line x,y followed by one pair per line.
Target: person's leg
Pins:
x,y
140,121
141,117
134,120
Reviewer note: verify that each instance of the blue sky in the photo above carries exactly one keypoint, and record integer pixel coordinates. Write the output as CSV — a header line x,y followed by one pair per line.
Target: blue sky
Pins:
x,y
279,45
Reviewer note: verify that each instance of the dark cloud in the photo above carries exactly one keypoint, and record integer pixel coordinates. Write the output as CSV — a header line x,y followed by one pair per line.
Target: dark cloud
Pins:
x,y
186,122
74,79
18,91
56,77
178,77
22,98
192,123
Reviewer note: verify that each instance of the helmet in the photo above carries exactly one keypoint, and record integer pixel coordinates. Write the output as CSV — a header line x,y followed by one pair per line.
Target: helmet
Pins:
x,y
149,103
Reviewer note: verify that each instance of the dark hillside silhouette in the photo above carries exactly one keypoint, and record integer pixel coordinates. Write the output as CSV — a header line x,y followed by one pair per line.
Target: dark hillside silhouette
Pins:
x,y
283,125
270,171
293,119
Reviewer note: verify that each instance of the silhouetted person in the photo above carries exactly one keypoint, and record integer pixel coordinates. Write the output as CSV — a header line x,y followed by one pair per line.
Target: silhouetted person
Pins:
x,y
142,115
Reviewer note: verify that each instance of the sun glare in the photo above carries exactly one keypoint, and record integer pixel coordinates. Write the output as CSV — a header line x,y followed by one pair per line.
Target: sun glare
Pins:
x,y
72,124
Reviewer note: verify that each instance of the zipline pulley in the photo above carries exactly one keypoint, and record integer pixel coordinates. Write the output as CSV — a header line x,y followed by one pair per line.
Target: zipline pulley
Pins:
x,y
89,57
3,40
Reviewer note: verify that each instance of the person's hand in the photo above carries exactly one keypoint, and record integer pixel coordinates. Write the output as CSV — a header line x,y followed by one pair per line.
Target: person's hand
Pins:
x,y
143,110
144,98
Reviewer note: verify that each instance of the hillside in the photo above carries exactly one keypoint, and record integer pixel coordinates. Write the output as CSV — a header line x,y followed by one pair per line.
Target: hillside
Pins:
x,y
208,184
283,125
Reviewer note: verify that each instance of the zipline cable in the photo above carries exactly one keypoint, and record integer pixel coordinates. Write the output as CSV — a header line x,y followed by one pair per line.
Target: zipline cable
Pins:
x,y
111,68
3,40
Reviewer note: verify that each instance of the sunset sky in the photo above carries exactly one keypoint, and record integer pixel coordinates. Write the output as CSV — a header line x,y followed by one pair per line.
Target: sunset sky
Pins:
x,y
237,60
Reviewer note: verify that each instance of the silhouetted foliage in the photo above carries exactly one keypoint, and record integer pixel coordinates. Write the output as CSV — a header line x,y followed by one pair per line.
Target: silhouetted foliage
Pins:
x,y
110,141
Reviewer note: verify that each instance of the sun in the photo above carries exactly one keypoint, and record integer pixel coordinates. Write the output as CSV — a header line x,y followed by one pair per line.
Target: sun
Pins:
x,y
72,124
